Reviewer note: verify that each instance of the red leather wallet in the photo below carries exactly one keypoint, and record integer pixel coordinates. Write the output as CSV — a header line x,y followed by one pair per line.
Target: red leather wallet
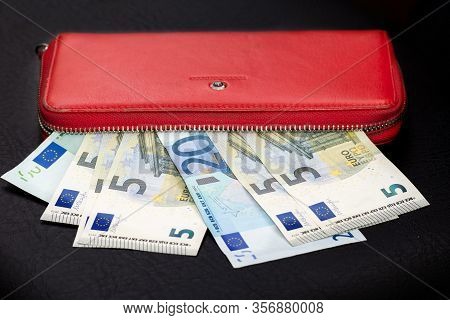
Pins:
x,y
277,80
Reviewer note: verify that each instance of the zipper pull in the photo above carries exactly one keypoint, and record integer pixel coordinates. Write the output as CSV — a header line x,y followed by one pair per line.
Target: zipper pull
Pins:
x,y
40,49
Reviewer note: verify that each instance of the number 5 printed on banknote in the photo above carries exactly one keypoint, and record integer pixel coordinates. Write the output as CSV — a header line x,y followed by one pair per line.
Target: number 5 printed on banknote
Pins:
x,y
342,177
144,204
241,228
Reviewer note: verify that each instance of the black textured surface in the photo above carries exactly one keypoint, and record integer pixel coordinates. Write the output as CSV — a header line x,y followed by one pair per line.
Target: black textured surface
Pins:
x,y
419,241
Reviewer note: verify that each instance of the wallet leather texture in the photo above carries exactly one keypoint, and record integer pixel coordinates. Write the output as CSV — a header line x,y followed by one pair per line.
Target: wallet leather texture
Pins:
x,y
264,80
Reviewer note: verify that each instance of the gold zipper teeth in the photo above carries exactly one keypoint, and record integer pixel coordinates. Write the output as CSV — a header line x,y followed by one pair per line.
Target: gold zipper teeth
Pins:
x,y
367,128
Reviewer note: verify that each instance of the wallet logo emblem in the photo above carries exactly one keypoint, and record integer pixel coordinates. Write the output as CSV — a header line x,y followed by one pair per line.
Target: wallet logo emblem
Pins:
x,y
219,77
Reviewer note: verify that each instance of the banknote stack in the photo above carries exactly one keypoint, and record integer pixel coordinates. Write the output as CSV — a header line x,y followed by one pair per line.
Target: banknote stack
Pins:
x,y
262,195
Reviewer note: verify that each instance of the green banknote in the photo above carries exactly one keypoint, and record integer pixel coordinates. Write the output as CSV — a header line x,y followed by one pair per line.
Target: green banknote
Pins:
x,y
40,173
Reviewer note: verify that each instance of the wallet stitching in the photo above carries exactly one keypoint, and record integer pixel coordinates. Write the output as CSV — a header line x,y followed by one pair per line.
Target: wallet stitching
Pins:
x,y
236,107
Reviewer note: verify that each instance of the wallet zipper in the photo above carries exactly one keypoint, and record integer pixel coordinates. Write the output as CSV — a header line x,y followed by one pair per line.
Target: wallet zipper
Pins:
x,y
380,126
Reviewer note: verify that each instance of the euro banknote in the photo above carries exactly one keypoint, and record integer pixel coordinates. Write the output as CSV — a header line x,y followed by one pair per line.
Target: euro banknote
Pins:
x,y
264,196
344,180
287,213
144,204
40,173
108,148
241,228
70,197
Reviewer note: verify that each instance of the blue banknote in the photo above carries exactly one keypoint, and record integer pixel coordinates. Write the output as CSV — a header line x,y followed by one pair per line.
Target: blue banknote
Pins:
x,y
241,228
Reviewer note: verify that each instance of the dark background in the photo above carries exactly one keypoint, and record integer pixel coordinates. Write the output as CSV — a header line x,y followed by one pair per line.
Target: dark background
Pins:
x,y
419,241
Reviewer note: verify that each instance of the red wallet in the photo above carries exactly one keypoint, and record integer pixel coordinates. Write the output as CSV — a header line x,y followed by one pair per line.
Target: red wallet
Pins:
x,y
271,80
